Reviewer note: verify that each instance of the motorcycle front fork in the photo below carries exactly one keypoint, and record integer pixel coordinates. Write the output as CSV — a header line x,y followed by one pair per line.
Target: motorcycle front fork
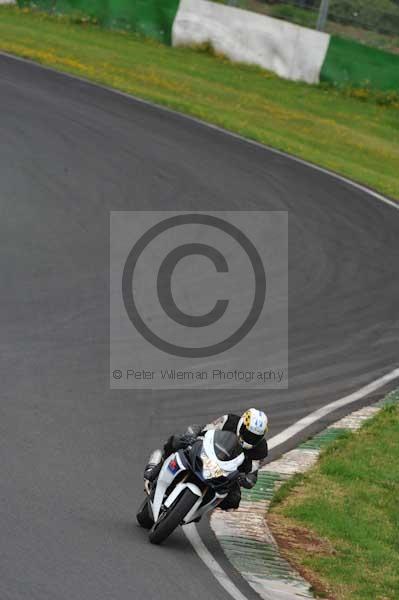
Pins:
x,y
152,469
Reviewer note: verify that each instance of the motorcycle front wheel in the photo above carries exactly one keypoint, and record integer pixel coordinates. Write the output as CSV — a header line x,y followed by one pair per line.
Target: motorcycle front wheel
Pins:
x,y
143,516
172,517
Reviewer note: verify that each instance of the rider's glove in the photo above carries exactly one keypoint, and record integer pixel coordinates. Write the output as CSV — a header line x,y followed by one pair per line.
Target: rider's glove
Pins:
x,y
187,439
194,430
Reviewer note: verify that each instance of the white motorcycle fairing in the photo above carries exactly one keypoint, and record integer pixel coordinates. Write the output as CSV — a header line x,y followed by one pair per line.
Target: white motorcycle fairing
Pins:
x,y
212,467
170,469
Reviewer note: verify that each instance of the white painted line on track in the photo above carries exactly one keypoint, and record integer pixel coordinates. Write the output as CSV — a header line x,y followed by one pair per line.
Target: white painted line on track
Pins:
x,y
195,540
302,424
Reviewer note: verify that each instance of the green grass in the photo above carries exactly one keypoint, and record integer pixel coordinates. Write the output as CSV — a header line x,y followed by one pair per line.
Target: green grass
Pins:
x,y
357,139
300,16
351,499
284,491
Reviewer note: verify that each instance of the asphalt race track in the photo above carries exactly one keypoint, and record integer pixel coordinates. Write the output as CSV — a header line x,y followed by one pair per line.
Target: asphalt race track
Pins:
x,y
73,450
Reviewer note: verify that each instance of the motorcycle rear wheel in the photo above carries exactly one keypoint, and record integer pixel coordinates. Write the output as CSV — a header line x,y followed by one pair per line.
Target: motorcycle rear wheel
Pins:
x,y
173,517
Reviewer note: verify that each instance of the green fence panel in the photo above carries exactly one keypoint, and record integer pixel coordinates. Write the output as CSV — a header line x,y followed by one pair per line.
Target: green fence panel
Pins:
x,y
350,63
152,18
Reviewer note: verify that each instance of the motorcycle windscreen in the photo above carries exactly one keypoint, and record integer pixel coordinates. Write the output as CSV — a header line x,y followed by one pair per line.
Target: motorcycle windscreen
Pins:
x,y
227,447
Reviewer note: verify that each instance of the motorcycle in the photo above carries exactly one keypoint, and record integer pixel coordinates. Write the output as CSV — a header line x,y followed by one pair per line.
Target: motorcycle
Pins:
x,y
192,482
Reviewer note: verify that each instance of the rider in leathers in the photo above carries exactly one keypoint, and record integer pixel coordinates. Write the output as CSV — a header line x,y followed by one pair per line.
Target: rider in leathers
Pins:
x,y
250,428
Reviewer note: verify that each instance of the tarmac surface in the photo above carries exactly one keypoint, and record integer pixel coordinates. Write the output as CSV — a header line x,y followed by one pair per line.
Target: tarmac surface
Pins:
x,y
72,449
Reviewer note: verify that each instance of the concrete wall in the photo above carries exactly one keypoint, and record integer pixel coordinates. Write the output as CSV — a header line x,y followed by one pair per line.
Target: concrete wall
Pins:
x,y
291,51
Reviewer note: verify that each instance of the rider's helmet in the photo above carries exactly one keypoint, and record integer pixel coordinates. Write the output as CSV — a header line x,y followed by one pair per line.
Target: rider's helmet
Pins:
x,y
251,428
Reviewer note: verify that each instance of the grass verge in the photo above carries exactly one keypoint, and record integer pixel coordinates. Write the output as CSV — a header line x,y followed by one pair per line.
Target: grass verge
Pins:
x,y
358,139
339,523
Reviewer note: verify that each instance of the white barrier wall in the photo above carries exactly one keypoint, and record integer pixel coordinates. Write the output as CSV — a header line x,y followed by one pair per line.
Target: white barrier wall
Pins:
x,y
291,51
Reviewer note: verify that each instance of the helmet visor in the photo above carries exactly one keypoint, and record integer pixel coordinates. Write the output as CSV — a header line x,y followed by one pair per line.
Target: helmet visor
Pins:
x,y
250,438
